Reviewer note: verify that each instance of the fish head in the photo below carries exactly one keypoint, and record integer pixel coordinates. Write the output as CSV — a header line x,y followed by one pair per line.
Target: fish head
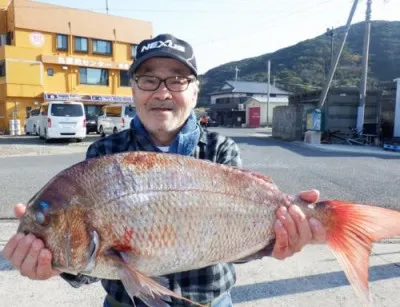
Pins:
x,y
58,216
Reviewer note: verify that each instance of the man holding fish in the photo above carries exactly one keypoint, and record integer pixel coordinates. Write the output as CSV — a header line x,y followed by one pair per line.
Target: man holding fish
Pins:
x,y
165,90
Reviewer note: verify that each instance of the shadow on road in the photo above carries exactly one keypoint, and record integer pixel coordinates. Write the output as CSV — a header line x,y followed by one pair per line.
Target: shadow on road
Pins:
x,y
34,140
307,151
307,283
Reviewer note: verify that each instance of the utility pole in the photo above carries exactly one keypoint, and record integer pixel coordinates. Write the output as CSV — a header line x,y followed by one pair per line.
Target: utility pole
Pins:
x,y
237,71
331,33
268,90
364,76
107,6
336,61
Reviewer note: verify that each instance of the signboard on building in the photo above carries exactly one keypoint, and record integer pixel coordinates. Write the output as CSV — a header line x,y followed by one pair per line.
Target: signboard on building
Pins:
x,y
36,39
100,99
75,61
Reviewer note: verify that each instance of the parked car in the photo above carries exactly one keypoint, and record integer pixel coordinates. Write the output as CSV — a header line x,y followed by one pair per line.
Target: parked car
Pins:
x,y
32,122
91,123
114,118
62,119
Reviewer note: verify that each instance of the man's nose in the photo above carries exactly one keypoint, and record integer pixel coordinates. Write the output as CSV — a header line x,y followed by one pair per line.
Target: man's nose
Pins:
x,y
162,93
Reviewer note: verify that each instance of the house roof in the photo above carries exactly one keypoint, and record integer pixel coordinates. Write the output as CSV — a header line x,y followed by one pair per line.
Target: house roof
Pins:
x,y
249,87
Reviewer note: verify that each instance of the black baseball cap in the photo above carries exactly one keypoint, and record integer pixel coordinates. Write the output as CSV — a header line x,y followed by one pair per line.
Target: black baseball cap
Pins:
x,y
164,46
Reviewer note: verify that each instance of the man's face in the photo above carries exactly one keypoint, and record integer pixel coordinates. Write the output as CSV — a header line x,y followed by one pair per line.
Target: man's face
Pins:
x,y
163,110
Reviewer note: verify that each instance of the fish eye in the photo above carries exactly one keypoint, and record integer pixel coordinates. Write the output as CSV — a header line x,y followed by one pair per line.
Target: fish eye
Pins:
x,y
42,216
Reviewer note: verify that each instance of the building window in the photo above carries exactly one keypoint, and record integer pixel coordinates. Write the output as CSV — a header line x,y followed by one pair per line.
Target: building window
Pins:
x,y
62,42
81,44
102,47
9,37
124,78
50,72
133,50
3,39
93,76
2,68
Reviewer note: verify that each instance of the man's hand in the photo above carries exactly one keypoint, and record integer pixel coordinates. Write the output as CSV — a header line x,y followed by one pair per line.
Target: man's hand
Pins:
x,y
27,253
294,231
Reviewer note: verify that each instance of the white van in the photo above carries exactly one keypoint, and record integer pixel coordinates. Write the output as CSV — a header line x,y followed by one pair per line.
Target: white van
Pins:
x,y
62,120
114,118
32,122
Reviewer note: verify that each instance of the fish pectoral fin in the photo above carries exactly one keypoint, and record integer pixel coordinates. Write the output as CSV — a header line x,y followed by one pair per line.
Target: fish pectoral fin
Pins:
x,y
152,291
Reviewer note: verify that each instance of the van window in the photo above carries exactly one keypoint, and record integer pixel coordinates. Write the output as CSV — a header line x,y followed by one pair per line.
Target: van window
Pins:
x,y
114,111
92,110
44,109
130,111
72,110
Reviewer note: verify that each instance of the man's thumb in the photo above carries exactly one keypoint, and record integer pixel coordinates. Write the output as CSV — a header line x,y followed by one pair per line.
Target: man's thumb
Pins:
x,y
19,210
310,196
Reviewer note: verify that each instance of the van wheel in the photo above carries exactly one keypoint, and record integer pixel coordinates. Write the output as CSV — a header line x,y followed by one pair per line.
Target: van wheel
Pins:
x,y
27,133
40,136
35,130
47,140
101,132
115,130
79,140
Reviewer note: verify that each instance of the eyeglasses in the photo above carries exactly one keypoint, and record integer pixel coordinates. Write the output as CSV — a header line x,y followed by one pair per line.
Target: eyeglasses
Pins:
x,y
174,84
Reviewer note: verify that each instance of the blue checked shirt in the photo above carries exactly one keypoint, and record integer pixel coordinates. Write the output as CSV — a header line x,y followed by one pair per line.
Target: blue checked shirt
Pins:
x,y
203,285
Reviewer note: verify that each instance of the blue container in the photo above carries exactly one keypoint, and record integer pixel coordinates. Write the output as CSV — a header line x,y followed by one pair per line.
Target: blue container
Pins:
x,y
314,120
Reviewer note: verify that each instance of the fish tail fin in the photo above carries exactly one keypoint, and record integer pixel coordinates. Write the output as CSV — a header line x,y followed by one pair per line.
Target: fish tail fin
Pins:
x,y
351,230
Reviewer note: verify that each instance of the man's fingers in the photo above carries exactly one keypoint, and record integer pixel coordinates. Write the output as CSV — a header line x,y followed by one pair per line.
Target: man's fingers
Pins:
x,y
289,225
281,241
28,267
44,269
303,228
19,210
11,245
22,250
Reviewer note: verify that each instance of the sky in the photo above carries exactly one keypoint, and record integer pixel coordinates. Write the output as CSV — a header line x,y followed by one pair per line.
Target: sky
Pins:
x,y
223,31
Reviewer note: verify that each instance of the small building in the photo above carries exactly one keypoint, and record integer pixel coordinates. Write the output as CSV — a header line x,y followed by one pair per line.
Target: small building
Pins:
x,y
240,103
49,52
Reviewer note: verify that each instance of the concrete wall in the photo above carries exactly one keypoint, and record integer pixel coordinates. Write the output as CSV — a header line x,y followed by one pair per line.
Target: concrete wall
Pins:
x,y
289,122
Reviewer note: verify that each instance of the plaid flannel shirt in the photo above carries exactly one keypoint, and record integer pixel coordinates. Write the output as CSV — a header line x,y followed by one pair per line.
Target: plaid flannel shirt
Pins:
x,y
203,285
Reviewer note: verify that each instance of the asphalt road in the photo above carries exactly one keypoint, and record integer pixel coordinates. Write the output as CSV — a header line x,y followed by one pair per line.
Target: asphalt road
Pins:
x,y
312,278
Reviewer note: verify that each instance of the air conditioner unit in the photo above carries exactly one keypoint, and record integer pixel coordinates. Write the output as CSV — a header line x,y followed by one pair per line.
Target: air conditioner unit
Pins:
x,y
241,107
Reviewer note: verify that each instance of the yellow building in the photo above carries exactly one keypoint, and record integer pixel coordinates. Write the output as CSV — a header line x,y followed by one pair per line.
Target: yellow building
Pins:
x,y
49,52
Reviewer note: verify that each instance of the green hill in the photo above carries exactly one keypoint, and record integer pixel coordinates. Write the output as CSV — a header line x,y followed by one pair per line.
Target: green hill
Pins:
x,y
305,65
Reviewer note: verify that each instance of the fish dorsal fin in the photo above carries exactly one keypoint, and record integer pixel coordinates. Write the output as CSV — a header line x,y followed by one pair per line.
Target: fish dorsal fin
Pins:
x,y
152,291
256,175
